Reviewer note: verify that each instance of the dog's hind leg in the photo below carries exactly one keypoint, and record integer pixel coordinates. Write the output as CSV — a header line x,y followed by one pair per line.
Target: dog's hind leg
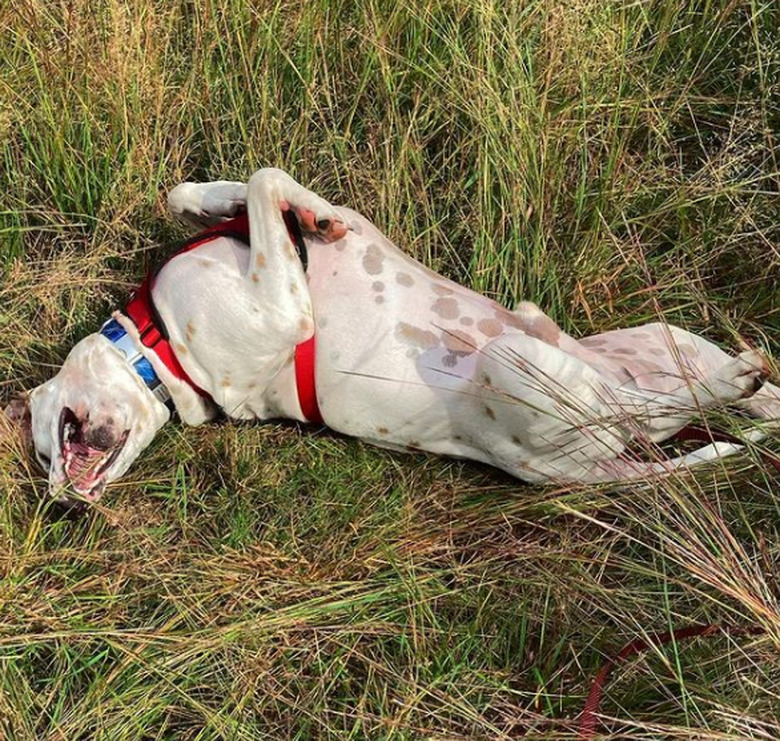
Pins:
x,y
545,415
764,404
624,469
659,415
667,361
542,413
706,357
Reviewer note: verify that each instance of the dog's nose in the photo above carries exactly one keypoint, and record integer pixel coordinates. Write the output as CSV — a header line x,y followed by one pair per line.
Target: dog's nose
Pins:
x,y
101,438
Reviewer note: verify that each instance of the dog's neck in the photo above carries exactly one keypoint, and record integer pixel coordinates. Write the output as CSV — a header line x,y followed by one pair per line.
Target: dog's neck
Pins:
x,y
116,334
192,408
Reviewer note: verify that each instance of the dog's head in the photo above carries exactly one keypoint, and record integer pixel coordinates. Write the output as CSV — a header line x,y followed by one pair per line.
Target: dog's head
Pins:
x,y
91,421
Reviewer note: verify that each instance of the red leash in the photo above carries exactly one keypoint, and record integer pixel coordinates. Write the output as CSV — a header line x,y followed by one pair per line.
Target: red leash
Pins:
x,y
590,718
699,434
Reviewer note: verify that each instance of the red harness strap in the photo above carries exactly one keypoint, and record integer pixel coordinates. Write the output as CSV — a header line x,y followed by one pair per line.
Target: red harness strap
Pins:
x,y
139,309
304,381
153,334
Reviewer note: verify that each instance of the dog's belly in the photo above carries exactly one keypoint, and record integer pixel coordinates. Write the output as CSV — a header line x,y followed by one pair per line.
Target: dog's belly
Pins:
x,y
398,346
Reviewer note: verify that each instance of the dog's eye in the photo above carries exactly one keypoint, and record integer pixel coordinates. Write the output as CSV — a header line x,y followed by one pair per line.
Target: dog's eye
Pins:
x,y
44,461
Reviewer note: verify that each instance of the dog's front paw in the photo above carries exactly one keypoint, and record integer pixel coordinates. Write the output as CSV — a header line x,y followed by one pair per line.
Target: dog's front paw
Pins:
x,y
224,201
327,225
205,204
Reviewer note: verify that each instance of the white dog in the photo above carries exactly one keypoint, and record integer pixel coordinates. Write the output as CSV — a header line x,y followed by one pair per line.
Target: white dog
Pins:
x,y
404,358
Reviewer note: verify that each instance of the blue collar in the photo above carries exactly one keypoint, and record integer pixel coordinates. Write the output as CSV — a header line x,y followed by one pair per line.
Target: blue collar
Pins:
x,y
117,335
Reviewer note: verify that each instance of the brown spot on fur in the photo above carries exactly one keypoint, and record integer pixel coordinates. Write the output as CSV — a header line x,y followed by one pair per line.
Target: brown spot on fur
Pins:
x,y
260,260
646,369
382,430
466,321
404,279
204,263
441,290
489,327
293,288
624,351
225,383
449,361
379,299
593,341
255,278
181,348
377,285
486,379
489,412
416,336
190,332
373,259
305,324
516,440
446,308
459,342
510,320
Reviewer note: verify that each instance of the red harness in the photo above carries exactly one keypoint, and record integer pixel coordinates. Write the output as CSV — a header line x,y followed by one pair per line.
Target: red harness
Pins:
x,y
153,334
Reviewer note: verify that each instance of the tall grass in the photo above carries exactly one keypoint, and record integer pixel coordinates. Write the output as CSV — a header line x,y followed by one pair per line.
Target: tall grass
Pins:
x,y
616,162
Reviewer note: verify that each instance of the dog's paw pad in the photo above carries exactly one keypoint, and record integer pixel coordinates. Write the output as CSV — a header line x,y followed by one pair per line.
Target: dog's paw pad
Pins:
x,y
329,229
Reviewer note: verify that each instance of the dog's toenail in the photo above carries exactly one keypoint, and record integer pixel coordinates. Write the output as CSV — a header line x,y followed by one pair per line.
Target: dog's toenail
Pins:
x,y
323,224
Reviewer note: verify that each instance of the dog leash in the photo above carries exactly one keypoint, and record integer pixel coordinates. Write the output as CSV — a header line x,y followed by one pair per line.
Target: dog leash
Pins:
x,y
702,435
590,712
589,719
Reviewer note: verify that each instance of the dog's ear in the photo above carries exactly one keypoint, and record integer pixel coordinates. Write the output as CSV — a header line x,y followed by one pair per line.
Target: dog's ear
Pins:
x,y
18,415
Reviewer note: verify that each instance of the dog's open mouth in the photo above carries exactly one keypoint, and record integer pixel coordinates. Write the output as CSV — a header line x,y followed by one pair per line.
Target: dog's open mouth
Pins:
x,y
86,455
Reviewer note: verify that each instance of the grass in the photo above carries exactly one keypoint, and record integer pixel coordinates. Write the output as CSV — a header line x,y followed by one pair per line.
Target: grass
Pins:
x,y
615,162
